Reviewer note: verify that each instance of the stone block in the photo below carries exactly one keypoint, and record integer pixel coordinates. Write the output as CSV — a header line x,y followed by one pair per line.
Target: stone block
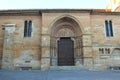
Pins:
x,y
87,52
54,62
87,41
78,62
87,30
45,63
45,52
88,63
45,40
45,30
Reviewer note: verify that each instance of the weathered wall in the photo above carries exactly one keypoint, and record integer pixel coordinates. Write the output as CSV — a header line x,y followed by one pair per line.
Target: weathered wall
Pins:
x,y
35,51
27,50
100,41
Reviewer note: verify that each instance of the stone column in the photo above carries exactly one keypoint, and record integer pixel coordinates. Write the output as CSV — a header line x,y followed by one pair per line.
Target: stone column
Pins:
x,y
45,48
87,51
8,52
77,51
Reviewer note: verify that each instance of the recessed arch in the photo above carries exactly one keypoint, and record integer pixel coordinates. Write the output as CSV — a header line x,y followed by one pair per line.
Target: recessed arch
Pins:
x,y
66,26
52,26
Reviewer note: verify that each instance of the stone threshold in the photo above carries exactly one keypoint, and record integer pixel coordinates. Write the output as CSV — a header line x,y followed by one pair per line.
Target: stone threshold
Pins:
x,y
67,68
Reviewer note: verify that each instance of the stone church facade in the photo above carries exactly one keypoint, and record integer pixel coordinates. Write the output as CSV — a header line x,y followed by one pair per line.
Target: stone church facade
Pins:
x,y
45,39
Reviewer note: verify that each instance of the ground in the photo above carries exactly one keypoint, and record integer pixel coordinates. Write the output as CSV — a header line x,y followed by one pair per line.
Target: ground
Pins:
x,y
59,75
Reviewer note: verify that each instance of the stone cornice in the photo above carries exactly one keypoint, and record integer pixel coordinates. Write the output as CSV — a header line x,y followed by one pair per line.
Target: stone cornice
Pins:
x,y
19,12
105,13
40,11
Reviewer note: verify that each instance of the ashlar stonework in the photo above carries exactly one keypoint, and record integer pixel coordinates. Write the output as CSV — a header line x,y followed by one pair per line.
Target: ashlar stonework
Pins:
x,y
92,49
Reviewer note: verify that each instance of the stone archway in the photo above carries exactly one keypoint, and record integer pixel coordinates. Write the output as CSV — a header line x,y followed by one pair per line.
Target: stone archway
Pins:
x,y
66,27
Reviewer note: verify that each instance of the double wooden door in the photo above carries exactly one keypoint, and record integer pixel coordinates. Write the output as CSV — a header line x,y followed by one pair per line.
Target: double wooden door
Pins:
x,y
65,52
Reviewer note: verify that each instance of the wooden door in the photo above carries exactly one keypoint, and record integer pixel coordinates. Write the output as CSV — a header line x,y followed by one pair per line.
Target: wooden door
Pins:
x,y
65,52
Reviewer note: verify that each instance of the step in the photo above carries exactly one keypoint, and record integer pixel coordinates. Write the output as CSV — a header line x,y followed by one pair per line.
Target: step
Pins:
x,y
67,68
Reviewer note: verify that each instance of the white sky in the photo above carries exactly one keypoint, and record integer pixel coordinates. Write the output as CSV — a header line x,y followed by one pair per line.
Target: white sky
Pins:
x,y
52,4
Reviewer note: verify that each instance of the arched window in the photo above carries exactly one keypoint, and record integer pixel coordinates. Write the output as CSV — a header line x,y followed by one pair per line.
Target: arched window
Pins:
x,y
101,50
111,29
108,28
108,51
27,28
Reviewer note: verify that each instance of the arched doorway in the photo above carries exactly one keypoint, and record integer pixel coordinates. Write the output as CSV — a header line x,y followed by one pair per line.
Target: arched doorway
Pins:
x,y
66,43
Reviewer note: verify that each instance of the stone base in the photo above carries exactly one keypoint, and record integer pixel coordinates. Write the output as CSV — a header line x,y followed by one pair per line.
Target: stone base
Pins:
x,y
67,68
45,63
88,63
